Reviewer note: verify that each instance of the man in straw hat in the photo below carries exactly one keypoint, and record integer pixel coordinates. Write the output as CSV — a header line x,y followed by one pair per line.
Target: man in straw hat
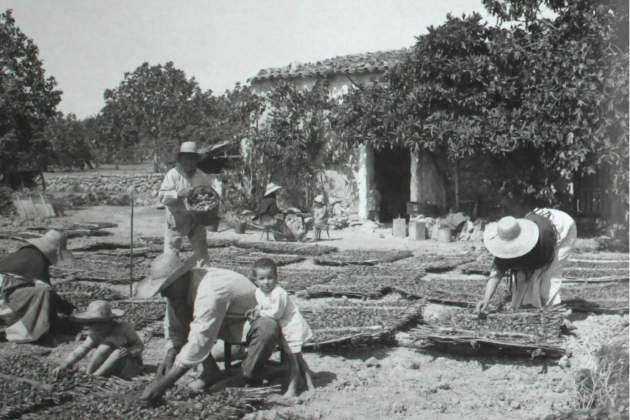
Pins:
x,y
202,302
176,186
533,250
28,304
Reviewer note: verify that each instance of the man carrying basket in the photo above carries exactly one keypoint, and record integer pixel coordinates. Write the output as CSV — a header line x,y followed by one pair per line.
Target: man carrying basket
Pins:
x,y
179,186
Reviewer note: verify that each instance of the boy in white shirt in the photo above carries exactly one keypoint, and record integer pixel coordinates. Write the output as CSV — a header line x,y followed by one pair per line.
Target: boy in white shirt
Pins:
x,y
274,302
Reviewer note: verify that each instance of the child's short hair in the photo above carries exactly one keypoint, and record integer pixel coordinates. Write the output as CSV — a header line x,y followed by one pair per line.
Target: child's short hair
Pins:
x,y
265,264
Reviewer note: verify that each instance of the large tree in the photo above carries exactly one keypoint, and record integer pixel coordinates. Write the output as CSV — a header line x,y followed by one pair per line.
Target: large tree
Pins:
x,y
27,100
151,107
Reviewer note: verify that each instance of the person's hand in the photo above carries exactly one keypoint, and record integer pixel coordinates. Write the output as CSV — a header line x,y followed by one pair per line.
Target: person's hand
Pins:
x,y
123,352
151,393
481,306
184,193
58,371
252,314
167,363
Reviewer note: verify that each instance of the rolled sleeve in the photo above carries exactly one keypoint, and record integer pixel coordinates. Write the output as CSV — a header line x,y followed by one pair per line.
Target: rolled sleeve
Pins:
x,y
168,189
175,325
208,316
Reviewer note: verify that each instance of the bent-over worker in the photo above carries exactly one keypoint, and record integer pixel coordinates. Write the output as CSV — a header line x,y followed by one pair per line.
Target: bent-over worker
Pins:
x,y
203,303
175,188
28,304
533,250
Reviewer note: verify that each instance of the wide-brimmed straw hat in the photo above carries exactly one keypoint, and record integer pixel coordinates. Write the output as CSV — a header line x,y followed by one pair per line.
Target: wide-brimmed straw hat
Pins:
x,y
271,188
188,147
510,237
53,245
165,269
98,311
319,199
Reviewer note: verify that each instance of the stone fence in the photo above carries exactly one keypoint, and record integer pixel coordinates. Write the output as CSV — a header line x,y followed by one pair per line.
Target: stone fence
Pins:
x,y
82,189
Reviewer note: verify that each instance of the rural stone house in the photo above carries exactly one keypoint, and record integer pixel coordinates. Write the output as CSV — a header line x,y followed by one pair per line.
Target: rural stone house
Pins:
x,y
398,175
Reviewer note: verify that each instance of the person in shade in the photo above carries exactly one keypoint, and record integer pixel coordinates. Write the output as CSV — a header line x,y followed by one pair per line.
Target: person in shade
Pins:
x,y
202,303
28,303
533,251
176,186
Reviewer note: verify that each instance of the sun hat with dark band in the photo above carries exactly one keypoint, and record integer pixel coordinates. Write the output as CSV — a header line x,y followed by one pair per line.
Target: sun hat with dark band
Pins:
x,y
98,311
188,148
510,237
271,188
165,269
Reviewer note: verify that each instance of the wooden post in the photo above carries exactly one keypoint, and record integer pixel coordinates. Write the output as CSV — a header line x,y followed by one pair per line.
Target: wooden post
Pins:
x,y
457,184
131,247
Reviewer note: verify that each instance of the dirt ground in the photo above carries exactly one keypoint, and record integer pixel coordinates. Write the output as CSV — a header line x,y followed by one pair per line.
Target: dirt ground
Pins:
x,y
407,383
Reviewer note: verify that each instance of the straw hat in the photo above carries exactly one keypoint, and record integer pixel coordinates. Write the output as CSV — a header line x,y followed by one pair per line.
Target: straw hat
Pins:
x,y
271,188
98,311
510,237
188,147
165,269
319,199
53,245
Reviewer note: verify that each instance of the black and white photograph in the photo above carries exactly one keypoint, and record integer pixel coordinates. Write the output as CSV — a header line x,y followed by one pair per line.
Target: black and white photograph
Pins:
x,y
314,210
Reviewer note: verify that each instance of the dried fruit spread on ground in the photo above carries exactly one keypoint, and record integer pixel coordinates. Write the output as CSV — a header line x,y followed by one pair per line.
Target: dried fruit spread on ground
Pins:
x,y
32,392
28,385
293,248
366,283
179,403
339,322
435,263
528,333
362,257
596,298
81,294
141,313
587,273
99,267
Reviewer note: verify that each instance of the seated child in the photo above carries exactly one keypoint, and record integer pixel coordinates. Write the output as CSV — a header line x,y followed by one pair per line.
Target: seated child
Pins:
x,y
274,302
118,348
320,216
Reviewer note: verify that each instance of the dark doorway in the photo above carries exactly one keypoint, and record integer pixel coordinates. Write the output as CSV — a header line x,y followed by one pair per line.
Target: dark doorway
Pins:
x,y
392,174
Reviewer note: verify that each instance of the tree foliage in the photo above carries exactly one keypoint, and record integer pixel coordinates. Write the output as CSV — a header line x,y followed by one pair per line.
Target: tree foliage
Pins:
x,y
545,99
291,141
149,110
72,141
27,100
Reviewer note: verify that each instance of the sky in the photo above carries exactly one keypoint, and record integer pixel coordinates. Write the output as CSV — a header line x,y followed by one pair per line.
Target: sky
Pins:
x,y
88,45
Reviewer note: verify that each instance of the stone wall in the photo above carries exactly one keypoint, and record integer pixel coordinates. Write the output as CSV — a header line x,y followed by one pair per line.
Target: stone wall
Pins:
x,y
80,189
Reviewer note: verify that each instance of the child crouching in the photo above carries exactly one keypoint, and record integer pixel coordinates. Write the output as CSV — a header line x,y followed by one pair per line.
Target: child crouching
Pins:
x,y
117,346
274,302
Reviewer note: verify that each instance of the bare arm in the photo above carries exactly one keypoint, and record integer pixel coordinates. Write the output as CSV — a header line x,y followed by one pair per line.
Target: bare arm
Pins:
x,y
101,354
110,362
157,388
491,288
77,354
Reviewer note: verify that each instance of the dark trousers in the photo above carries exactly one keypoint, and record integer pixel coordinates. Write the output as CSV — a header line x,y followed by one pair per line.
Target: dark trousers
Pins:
x,y
262,339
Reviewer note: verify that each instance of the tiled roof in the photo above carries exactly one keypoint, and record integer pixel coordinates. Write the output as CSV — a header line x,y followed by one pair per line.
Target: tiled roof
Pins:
x,y
371,62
